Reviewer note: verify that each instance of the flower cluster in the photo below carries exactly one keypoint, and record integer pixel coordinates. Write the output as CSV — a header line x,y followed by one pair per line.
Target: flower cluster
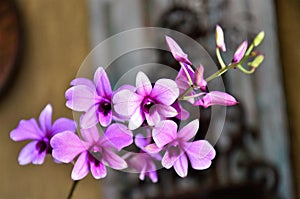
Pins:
x,y
122,113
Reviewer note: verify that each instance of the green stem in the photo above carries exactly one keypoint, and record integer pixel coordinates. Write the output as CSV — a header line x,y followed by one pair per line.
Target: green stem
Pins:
x,y
186,92
75,182
223,65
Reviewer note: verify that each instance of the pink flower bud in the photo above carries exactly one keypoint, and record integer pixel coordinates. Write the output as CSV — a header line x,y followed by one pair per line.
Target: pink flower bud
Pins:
x,y
220,38
240,52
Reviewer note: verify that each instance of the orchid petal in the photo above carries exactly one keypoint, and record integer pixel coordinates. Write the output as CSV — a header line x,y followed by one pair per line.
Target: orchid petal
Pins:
x,y
63,124
98,170
83,81
176,51
240,52
165,91
166,111
137,119
81,167
45,118
140,141
153,117
181,165
216,98
118,136
80,98
152,148
66,146
200,154
169,158
89,119
90,135
27,130
189,131
182,113
114,161
164,132
31,154
199,79
126,102
102,83
105,118
143,84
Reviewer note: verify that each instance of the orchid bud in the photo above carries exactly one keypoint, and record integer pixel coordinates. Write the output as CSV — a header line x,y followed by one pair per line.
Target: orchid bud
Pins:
x,y
177,52
240,52
259,38
199,80
216,98
220,38
257,61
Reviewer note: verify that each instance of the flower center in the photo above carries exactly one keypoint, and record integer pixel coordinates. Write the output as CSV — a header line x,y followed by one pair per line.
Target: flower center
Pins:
x,y
147,104
42,146
95,156
105,107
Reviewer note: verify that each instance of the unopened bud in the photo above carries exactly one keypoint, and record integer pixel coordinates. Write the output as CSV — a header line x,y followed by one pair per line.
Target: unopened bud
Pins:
x,y
257,61
240,52
220,38
259,38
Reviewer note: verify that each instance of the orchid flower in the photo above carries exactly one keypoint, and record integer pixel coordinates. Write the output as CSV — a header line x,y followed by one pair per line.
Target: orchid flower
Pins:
x,y
143,162
147,103
179,148
94,151
93,98
40,135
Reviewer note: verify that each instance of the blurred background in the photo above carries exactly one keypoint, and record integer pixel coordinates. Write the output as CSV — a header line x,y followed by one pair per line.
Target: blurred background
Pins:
x,y
43,43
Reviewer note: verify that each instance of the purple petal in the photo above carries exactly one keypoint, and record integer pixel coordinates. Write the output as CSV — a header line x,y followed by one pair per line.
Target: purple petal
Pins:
x,y
66,146
137,119
166,111
102,83
181,165
152,148
91,135
140,141
165,91
81,167
80,98
176,51
89,119
27,130
105,118
114,161
200,154
30,153
153,117
82,81
170,157
126,102
189,131
45,118
199,79
240,52
143,84
182,113
216,98
182,75
118,136
164,132
98,170
63,124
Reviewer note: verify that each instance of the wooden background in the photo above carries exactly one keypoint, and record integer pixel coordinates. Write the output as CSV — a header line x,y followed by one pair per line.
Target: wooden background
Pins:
x,y
55,44
56,40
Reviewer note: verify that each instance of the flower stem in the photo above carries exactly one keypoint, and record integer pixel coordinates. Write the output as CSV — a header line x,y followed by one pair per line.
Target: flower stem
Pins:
x,y
75,182
223,65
